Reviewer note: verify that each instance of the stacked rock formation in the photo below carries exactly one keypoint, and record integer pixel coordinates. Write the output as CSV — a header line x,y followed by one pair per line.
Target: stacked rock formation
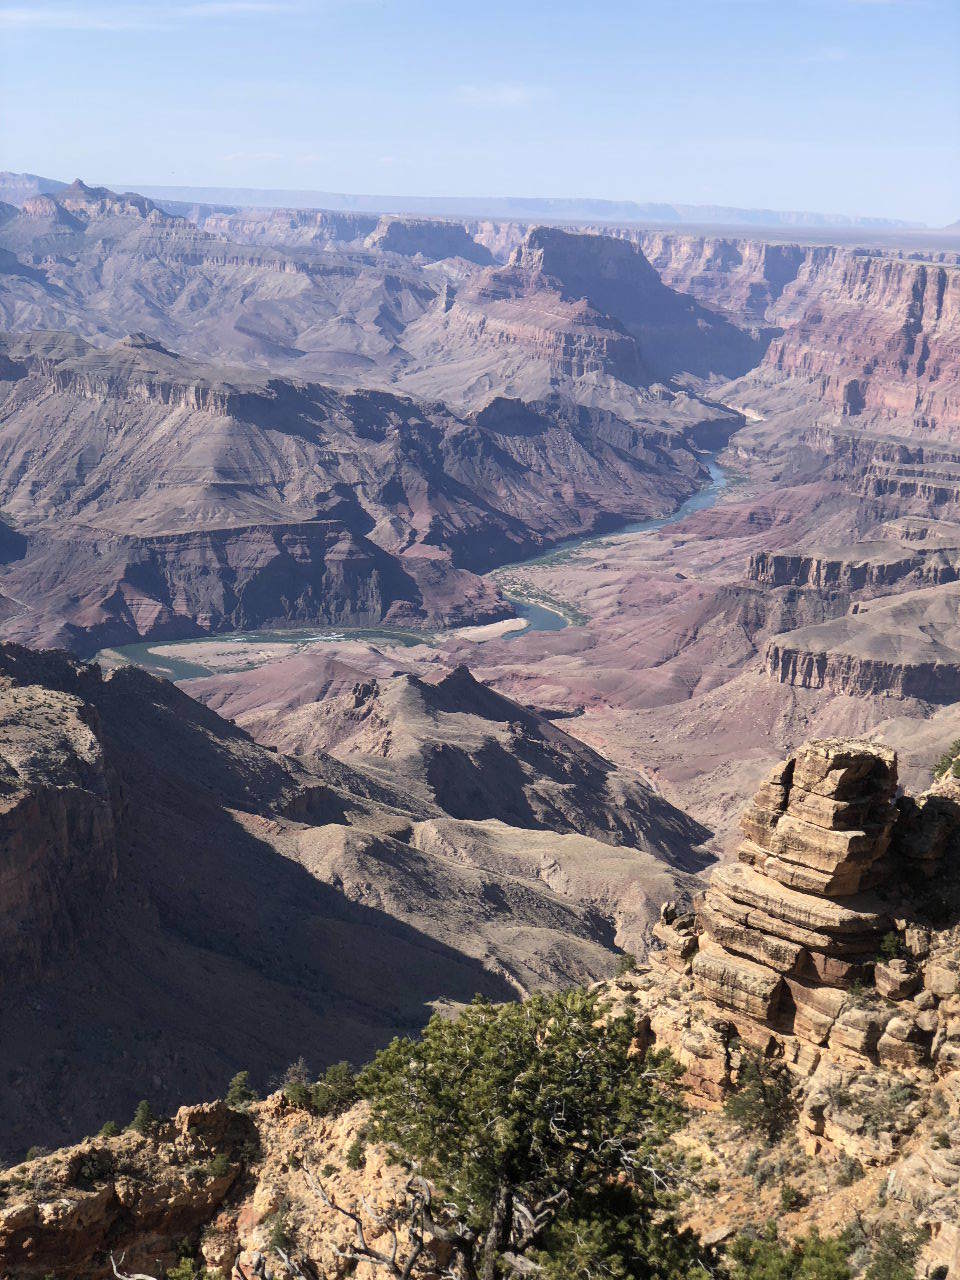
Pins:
x,y
786,951
793,923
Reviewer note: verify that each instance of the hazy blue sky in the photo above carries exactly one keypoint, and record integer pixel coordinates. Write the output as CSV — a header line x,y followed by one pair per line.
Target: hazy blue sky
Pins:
x,y
849,106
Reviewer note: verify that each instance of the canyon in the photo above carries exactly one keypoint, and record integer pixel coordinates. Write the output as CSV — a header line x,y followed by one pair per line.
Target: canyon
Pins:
x,y
353,421
498,565
497,855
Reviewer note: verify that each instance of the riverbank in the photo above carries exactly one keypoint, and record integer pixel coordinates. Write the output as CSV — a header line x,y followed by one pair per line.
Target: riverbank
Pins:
x,y
537,610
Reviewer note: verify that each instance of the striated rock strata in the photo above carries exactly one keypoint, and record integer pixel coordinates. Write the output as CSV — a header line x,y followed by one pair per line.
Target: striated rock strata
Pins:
x,y
785,952
832,946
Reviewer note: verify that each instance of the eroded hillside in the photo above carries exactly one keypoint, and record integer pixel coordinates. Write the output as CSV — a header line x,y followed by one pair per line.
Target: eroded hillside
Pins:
x,y
181,902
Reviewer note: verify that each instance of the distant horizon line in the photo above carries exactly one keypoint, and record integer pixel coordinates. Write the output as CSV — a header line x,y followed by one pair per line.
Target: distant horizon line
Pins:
x,y
580,208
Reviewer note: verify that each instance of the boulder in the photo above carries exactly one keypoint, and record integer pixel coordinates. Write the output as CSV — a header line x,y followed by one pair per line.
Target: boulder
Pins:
x,y
941,979
896,979
858,1030
903,1043
736,982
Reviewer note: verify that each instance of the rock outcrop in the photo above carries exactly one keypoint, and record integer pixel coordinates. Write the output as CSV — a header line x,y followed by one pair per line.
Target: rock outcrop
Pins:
x,y
832,946
789,926
431,239
817,944
872,334
136,1196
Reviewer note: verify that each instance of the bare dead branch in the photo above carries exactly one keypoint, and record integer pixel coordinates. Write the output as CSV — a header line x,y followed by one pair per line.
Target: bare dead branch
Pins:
x,y
290,1264
115,1263
521,1266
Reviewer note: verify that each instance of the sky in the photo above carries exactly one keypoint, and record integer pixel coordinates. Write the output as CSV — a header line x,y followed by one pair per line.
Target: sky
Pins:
x,y
838,106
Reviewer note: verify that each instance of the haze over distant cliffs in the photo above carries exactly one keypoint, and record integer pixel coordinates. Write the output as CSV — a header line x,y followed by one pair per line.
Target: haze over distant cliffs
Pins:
x,y
529,208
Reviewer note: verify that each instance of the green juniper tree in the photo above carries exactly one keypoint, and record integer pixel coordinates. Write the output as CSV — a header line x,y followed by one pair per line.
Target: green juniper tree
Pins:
x,y
240,1092
764,1256
144,1120
763,1100
336,1090
528,1128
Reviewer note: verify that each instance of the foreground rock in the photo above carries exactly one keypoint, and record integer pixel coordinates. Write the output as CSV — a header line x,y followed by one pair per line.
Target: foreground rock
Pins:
x,y
832,945
780,960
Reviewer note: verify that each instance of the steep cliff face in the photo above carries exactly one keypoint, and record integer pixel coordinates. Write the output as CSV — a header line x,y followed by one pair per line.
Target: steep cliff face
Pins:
x,y
878,339
674,334
871,335
287,228
58,812
744,277
904,646
869,568
585,314
428,238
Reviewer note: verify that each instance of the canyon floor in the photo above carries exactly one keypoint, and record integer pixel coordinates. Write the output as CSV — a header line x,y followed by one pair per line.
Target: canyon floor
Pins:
x,y
665,666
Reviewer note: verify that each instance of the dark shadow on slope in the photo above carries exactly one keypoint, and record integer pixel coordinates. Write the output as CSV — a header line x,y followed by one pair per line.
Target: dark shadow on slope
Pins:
x,y
214,955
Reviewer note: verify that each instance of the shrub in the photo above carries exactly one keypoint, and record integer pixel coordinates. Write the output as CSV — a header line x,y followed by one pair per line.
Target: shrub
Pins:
x,y
541,1104
790,1197
887,1110
280,1235
184,1270
850,1170
88,1168
891,946
763,1101
110,1129
608,1234
354,1155
626,964
894,1254
218,1167
144,1121
298,1094
297,1072
764,1256
946,762
336,1090
240,1092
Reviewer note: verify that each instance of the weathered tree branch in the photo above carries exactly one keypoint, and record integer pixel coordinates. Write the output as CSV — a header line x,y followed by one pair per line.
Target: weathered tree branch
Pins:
x,y
127,1275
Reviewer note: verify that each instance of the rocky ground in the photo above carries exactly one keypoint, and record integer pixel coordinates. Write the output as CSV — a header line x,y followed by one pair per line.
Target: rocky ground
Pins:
x,y
788,955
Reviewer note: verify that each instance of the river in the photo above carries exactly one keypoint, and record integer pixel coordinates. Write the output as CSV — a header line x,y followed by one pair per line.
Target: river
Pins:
x,y
161,657
540,616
